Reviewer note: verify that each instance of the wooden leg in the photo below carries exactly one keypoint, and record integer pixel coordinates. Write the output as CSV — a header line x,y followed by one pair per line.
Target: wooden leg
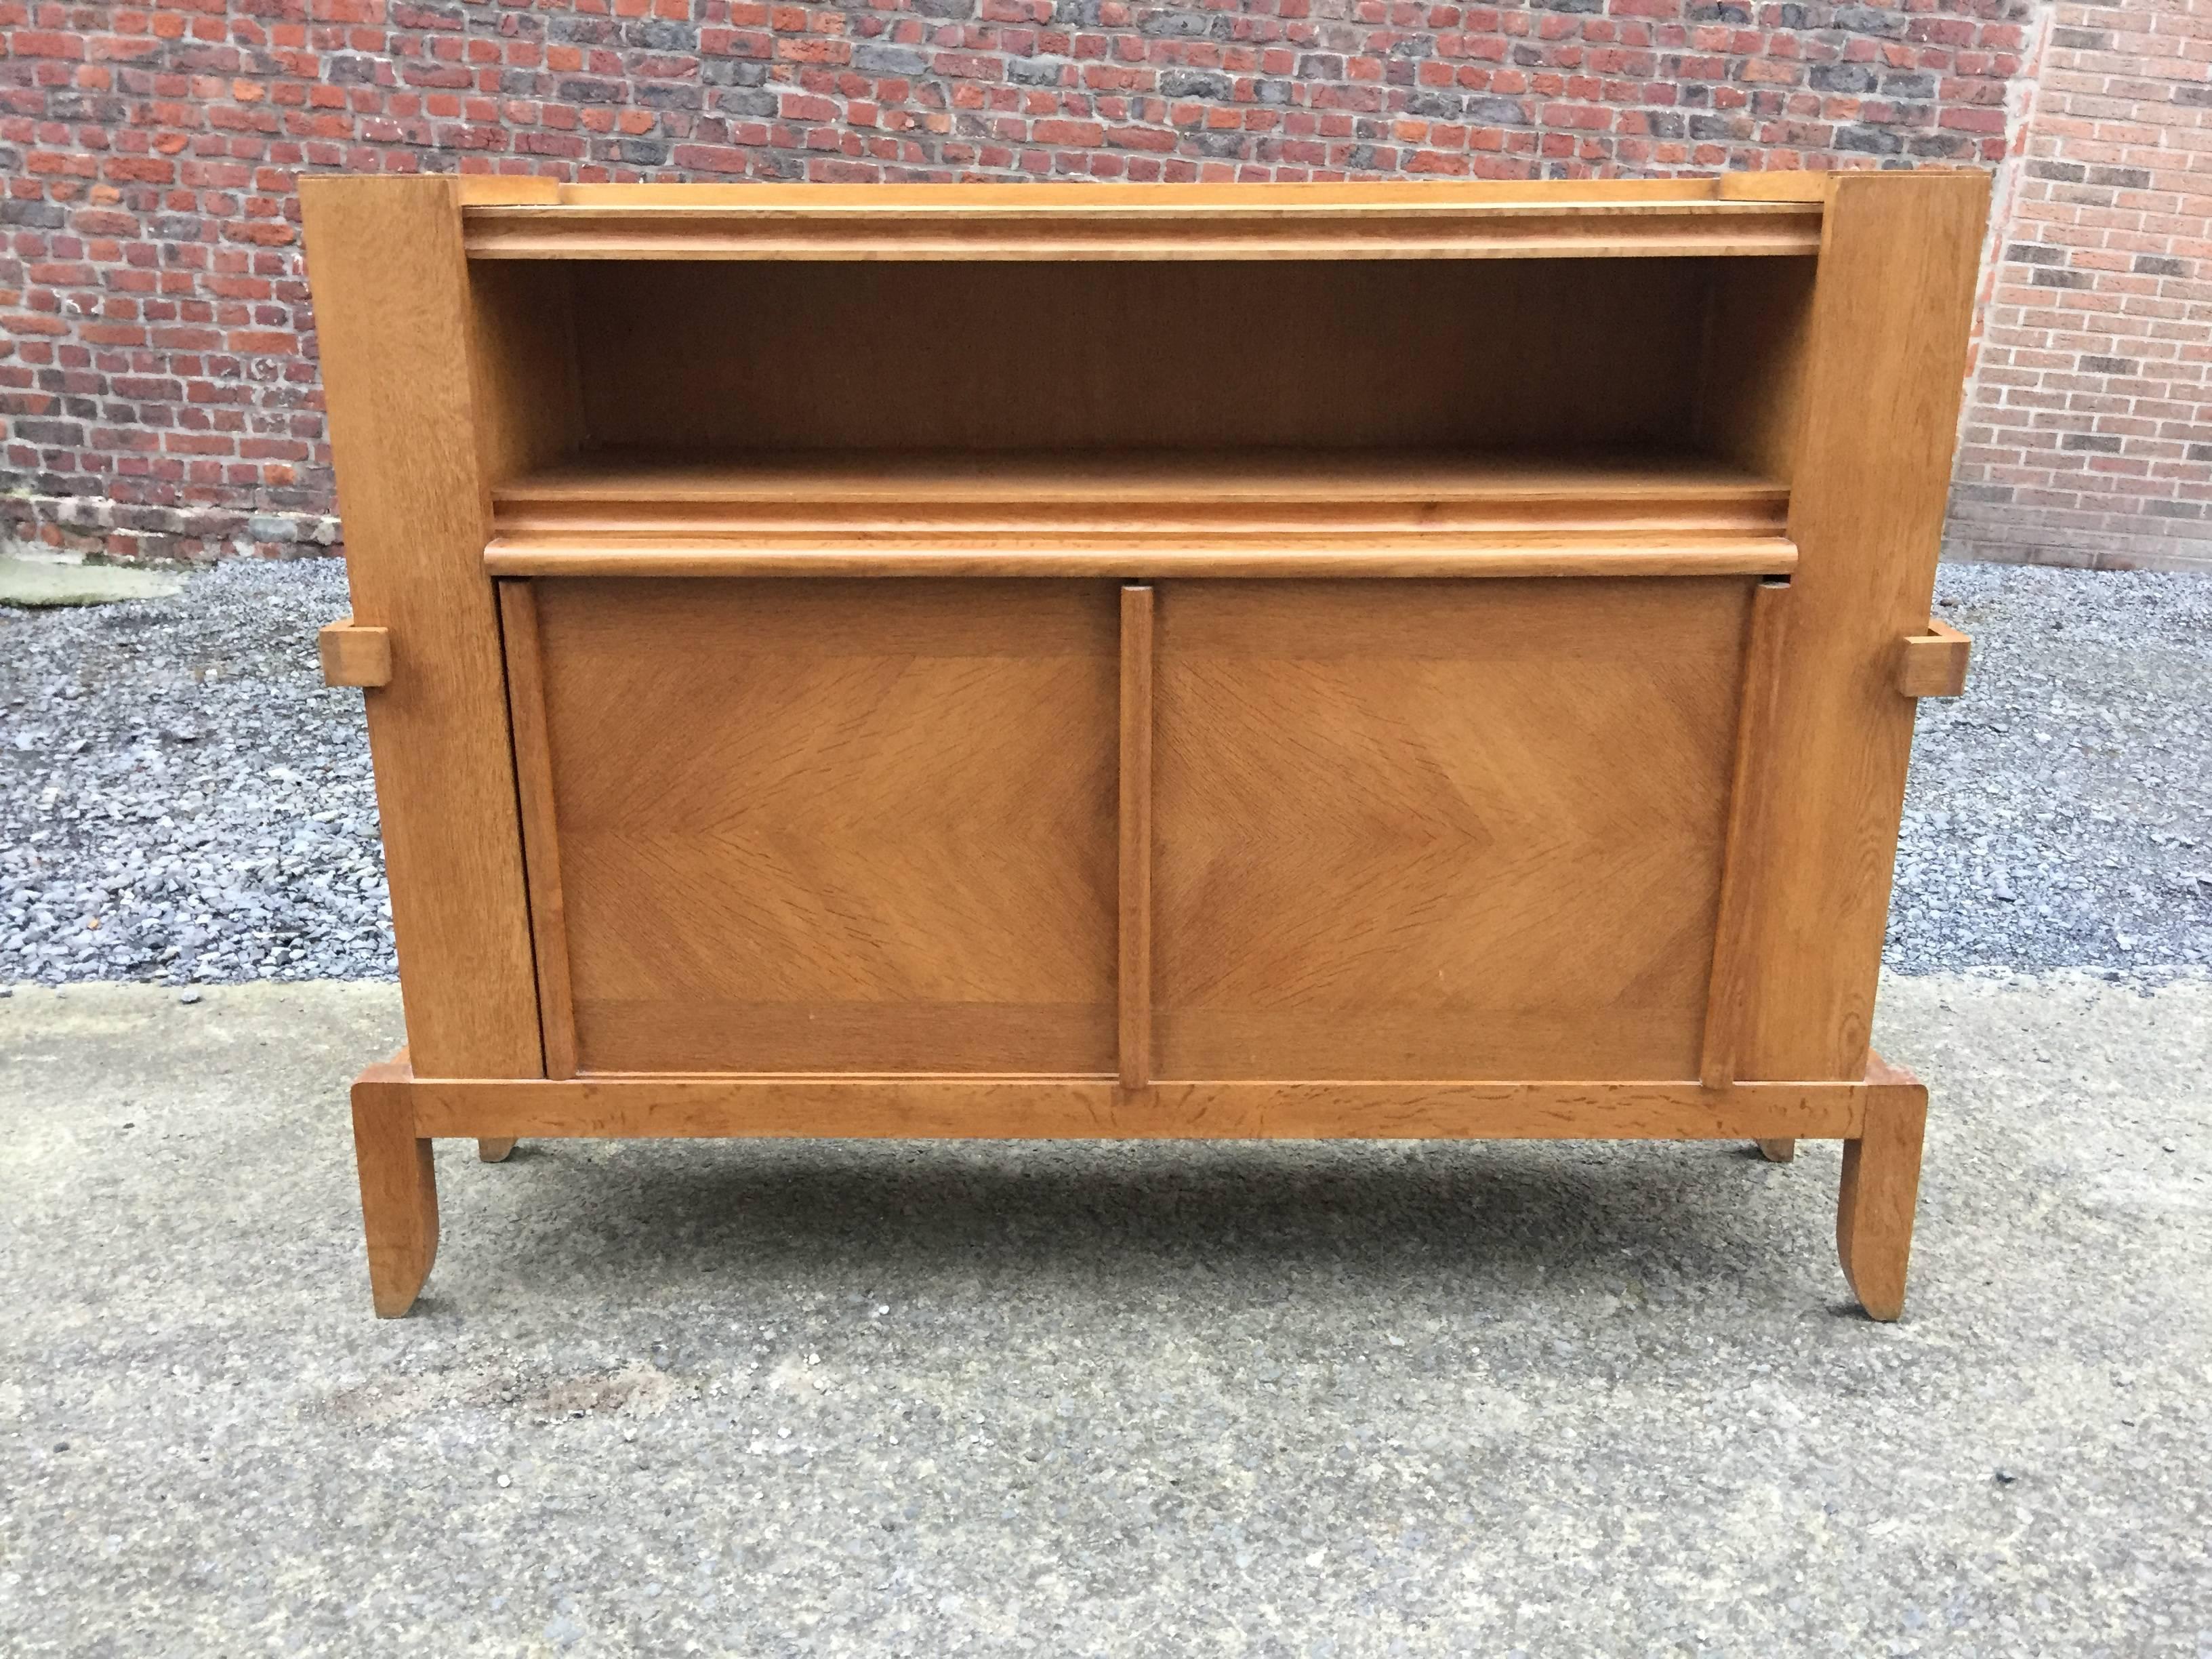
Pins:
x,y
1776,1151
398,1188
494,1151
1881,1190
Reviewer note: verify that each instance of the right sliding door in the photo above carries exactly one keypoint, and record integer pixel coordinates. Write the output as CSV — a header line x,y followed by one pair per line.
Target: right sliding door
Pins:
x,y
1465,829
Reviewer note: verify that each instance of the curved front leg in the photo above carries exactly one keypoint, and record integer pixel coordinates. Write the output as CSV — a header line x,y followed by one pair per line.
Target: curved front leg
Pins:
x,y
1881,1190
399,1187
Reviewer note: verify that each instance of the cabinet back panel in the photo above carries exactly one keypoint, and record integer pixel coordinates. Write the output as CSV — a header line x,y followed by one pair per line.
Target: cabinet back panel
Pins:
x,y
1512,354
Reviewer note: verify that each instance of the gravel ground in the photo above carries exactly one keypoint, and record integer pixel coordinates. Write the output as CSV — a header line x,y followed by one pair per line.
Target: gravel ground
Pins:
x,y
181,797
182,800
2060,813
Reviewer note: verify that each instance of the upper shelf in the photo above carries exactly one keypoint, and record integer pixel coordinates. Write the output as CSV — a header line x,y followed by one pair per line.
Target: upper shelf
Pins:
x,y
1674,218
1241,513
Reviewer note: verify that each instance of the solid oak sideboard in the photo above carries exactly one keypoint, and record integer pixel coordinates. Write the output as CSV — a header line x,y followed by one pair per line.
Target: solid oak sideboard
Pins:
x,y
1287,661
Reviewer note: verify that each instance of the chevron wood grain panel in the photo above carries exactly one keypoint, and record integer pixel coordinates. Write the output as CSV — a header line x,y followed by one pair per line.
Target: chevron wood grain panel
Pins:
x,y
832,826
1415,829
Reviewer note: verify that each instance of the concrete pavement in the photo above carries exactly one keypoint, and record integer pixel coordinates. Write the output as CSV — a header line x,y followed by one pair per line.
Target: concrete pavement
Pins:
x,y
802,1398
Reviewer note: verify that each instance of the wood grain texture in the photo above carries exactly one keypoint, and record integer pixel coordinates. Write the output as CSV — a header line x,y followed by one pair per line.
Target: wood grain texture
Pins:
x,y
399,1186
541,832
1881,1190
1748,849
983,1108
1142,223
731,842
820,825
1590,193
352,655
528,402
1772,185
1758,347
1116,357
1027,490
1415,831
1872,466
1933,664
1134,971
394,335
1092,557
1248,513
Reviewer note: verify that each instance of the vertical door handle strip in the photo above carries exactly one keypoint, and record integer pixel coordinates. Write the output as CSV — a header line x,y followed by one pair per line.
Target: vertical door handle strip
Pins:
x,y
1727,992
1135,974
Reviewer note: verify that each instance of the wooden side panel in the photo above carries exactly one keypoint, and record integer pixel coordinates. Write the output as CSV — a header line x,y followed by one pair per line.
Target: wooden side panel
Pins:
x,y
1428,830
1757,340
819,826
392,321
530,411
1893,302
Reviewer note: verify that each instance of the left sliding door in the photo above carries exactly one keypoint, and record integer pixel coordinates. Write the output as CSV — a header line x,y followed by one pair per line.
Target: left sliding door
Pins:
x,y
820,827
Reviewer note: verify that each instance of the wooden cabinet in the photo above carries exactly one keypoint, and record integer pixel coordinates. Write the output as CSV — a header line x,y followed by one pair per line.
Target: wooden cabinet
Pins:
x,y
1112,661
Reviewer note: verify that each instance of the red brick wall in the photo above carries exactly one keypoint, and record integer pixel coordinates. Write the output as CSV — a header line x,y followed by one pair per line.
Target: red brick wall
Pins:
x,y
2088,432
159,375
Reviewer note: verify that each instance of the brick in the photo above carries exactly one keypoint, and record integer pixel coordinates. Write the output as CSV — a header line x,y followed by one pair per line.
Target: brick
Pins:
x,y
148,163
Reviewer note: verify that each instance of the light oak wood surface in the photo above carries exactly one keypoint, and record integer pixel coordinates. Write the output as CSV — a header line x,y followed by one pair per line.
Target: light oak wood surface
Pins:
x,y
1873,461
1251,512
1139,224
352,655
1286,661
1083,558
398,1186
806,823
1747,847
541,825
1880,1189
1933,664
1133,828
394,336
1098,1108
1412,829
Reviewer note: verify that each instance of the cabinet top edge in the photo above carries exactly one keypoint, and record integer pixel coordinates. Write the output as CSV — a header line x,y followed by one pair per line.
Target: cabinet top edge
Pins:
x,y
1567,219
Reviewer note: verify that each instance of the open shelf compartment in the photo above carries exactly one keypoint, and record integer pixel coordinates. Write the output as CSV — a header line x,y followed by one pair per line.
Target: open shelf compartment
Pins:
x,y
1413,417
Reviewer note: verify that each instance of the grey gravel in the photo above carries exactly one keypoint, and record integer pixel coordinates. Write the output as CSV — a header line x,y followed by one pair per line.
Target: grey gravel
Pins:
x,y
181,798
784,1398
173,770
2060,813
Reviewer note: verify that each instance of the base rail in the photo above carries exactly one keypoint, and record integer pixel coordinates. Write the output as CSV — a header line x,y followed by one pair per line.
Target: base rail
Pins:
x,y
396,1115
